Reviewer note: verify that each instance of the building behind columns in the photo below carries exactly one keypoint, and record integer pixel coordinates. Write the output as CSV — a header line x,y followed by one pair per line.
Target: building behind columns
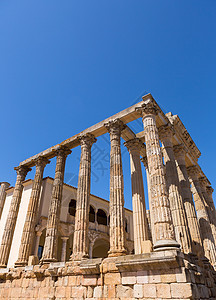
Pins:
x,y
62,242
98,222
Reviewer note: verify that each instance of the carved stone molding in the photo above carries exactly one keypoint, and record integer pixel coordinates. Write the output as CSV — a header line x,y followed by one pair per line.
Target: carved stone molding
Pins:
x,y
148,108
166,131
115,127
134,145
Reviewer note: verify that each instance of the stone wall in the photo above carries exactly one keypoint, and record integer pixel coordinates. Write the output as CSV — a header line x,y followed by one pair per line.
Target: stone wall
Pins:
x,y
157,275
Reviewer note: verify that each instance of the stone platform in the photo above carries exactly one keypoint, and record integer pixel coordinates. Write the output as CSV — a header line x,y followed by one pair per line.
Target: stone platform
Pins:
x,y
157,275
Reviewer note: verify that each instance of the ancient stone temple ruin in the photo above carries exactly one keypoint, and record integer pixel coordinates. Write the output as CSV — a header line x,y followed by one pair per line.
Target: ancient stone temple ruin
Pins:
x,y
88,247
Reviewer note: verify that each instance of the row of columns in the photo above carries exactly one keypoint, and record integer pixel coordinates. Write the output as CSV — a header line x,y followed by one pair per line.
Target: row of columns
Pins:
x,y
173,216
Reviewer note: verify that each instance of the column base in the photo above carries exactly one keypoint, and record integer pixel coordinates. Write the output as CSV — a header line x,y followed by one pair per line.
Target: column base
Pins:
x,y
163,245
47,260
20,264
3,266
78,257
114,253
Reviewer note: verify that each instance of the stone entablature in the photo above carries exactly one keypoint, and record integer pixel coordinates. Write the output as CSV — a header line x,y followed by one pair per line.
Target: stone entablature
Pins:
x,y
46,222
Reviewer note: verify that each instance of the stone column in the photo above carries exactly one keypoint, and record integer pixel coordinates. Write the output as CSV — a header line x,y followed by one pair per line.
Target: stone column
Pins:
x,y
30,221
193,224
173,186
4,186
50,246
12,216
202,215
145,163
140,224
209,204
37,242
64,247
212,211
91,244
117,218
164,229
80,241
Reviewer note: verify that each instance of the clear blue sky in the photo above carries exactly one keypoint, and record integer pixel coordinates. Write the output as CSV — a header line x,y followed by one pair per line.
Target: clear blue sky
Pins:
x,y
66,65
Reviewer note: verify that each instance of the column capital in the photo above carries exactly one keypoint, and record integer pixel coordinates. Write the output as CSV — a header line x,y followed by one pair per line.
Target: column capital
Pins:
x,y
38,233
147,108
64,238
134,145
144,160
193,172
41,161
179,150
22,171
87,140
63,151
6,184
203,182
115,126
209,190
166,131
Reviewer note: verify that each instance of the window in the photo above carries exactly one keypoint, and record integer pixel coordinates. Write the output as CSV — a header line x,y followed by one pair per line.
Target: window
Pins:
x,y
72,207
40,251
101,217
126,225
91,214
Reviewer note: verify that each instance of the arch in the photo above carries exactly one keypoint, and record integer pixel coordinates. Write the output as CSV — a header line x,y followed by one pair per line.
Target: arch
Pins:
x,y
91,214
72,207
41,244
100,248
101,217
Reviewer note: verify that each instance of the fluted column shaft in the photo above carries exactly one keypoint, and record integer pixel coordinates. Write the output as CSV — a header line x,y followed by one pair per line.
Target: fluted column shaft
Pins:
x,y
30,222
50,246
4,186
37,242
193,223
140,223
12,216
202,215
145,163
117,218
64,248
212,211
209,204
163,225
173,187
80,244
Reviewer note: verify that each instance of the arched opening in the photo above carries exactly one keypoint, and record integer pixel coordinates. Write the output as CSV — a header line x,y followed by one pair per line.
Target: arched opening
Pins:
x,y
100,248
72,207
59,247
41,244
91,214
126,225
101,217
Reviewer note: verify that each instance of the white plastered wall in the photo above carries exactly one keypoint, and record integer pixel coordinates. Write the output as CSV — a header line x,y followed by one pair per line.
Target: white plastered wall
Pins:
x,y
5,212
19,225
